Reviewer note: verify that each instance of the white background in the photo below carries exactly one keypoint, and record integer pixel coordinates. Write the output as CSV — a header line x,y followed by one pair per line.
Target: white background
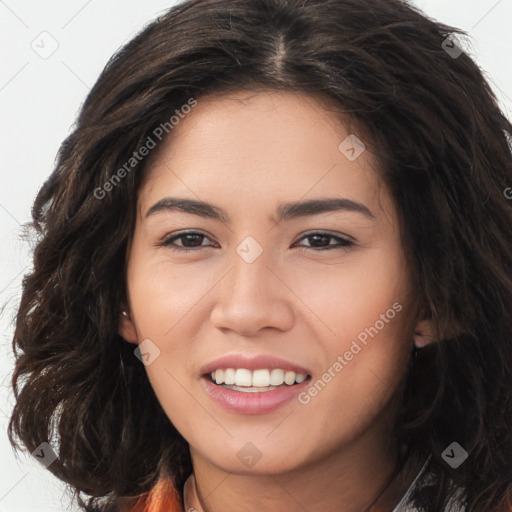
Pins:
x,y
39,99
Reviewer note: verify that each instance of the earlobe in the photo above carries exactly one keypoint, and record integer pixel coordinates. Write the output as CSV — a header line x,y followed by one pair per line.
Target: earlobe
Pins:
x,y
423,334
127,328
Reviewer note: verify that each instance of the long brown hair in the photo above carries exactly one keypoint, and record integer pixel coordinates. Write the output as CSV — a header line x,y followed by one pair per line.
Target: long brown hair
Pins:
x,y
434,124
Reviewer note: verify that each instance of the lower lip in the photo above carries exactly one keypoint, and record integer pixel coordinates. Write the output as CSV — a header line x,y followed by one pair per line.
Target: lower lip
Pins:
x,y
252,402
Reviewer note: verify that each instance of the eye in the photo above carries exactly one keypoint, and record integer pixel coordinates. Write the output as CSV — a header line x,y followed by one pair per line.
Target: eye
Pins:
x,y
320,238
192,240
189,240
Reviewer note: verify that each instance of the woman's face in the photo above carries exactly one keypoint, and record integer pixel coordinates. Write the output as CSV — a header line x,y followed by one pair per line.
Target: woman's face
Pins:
x,y
335,306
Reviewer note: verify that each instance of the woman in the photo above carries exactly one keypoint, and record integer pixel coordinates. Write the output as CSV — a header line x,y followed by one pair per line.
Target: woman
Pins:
x,y
192,339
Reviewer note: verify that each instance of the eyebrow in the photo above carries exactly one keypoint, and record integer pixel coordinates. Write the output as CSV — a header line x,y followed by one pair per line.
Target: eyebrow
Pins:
x,y
285,211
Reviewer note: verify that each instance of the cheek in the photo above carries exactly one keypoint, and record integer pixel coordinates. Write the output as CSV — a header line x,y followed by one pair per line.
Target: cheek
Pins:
x,y
349,297
364,309
165,299
360,379
176,397
163,295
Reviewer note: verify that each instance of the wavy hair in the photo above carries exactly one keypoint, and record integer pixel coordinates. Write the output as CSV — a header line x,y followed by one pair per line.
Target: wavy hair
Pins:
x,y
443,147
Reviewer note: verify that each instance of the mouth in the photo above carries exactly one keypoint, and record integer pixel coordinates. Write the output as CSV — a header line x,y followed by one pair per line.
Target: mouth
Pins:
x,y
261,391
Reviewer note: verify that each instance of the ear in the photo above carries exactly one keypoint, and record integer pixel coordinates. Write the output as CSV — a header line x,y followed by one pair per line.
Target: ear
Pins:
x,y
423,333
127,328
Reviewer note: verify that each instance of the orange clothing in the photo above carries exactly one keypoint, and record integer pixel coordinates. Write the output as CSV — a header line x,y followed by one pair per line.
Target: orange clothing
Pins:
x,y
162,498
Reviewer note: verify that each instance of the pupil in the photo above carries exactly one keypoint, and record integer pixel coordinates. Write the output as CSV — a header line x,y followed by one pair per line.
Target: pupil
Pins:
x,y
317,237
188,239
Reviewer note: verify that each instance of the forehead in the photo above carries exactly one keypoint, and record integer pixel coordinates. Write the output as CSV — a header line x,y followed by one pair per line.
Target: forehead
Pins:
x,y
251,145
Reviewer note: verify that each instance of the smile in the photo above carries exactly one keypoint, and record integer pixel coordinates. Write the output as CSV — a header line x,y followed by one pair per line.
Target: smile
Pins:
x,y
250,399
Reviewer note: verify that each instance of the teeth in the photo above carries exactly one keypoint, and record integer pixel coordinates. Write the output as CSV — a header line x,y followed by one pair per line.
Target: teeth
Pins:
x,y
229,376
258,378
242,377
276,377
300,377
289,378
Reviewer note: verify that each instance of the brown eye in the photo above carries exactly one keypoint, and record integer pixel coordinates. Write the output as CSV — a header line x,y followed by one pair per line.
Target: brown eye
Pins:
x,y
321,241
190,241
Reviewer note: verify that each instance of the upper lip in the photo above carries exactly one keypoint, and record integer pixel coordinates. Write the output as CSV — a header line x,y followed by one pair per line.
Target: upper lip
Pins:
x,y
260,361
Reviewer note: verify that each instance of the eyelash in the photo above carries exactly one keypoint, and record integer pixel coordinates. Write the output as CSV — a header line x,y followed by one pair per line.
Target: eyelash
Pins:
x,y
344,243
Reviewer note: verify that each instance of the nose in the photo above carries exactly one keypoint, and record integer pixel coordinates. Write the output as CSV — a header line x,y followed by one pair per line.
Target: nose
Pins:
x,y
251,297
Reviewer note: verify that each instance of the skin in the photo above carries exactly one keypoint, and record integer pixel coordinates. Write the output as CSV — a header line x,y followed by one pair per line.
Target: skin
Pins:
x,y
246,152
